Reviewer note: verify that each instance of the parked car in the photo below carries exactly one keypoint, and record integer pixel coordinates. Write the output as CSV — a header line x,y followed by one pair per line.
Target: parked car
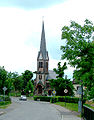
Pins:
x,y
23,97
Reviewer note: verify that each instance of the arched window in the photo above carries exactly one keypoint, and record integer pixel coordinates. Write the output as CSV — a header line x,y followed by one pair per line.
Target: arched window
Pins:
x,y
40,64
46,66
40,77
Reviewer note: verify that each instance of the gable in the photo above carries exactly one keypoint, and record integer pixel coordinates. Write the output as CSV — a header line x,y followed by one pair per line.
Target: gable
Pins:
x,y
40,56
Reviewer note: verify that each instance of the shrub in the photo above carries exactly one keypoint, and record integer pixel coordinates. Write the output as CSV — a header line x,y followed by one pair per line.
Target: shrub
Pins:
x,y
42,98
4,102
54,99
7,98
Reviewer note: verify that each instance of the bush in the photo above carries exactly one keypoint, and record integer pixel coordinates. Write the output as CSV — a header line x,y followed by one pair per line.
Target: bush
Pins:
x,y
53,100
4,102
42,98
58,99
7,98
17,94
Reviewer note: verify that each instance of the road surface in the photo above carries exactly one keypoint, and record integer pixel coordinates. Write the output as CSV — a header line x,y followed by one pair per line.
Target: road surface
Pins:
x,y
30,110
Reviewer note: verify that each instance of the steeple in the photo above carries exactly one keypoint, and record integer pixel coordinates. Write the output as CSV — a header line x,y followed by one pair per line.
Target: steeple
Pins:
x,y
42,64
43,54
43,42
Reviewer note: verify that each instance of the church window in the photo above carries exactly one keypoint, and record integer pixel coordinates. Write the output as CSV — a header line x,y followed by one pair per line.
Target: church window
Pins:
x,y
47,66
40,64
40,77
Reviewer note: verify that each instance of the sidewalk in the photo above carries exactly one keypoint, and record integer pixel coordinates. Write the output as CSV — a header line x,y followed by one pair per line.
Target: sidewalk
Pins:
x,y
66,114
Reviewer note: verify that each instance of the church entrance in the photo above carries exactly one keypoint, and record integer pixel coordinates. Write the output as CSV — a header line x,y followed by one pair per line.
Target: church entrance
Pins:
x,y
39,88
50,92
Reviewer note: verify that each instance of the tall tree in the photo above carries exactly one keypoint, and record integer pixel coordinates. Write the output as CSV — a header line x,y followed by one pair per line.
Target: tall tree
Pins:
x,y
3,78
18,83
27,75
61,83
79,51
29,87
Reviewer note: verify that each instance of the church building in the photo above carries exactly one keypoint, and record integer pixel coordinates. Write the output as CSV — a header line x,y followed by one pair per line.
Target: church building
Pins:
x,y
43,74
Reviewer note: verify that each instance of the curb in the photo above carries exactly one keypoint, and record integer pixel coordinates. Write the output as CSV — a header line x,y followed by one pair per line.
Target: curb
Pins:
x,y
1,113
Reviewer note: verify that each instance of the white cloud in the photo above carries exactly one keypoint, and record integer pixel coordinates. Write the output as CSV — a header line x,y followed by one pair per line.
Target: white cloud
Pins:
x,y
20,32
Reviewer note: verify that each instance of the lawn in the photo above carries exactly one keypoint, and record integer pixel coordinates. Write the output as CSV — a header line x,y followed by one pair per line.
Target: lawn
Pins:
x,y
70,106
90,106
5,104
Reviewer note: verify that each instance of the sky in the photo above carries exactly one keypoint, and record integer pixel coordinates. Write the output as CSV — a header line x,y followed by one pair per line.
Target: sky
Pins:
x,y
21,26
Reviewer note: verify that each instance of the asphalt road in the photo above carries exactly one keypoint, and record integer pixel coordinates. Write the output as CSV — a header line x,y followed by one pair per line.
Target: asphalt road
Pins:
x,y
30,110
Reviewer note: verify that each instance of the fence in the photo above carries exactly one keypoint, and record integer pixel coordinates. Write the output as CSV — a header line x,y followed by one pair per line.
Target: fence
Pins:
x,y
88,113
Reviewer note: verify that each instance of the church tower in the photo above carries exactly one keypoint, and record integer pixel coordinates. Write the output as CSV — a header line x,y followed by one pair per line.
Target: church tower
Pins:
x,y
42,64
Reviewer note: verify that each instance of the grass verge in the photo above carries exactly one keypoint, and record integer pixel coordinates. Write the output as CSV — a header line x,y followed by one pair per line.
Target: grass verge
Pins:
x,y
5,104
92,107
70,106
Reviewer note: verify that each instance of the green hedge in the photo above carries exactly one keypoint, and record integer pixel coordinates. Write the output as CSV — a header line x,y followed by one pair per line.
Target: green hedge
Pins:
x,y
42,98
7,98
4,103
68,99
58,99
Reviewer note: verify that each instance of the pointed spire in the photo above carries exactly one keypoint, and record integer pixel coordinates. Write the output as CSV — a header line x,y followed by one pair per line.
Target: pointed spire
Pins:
x,y
43,42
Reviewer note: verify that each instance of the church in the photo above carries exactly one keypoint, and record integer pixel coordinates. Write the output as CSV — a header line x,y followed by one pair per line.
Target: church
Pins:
x,y
43,74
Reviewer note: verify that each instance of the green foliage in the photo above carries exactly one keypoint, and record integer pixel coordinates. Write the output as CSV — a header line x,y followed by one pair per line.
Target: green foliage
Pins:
x,y
27,75
42,98
7,98
14,81
9,83
79,51
16,93
29,87
70,106
68,99
18,83
2,103
60,70
91,93
54,99
61,83
3,78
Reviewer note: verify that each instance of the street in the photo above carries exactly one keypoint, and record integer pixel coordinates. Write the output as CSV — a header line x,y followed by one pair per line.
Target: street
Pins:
x,y
30,110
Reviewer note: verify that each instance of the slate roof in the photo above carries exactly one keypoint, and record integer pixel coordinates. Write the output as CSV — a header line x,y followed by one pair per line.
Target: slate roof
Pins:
x,y
51,75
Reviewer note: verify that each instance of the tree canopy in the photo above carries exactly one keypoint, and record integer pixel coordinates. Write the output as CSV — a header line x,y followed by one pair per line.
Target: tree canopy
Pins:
x,y
27,75
3,78
79,51
15,82
61,83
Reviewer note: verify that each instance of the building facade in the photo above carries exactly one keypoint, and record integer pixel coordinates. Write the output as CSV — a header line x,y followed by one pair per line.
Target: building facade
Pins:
x,y
43,74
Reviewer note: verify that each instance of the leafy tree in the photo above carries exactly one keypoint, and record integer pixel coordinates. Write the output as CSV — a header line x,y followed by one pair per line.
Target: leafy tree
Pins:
x,y
3,78
29,87
18,83
61,83
27,75
79,51
10,80
9,85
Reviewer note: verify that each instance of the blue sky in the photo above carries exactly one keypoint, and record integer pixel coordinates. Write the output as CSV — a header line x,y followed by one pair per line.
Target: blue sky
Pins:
x,y
21,25
30,4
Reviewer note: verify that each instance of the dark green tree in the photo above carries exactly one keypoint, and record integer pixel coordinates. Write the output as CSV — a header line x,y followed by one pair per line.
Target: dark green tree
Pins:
x,y
3,78
9,85
27,75
61,83
18,83
79,51
29,87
